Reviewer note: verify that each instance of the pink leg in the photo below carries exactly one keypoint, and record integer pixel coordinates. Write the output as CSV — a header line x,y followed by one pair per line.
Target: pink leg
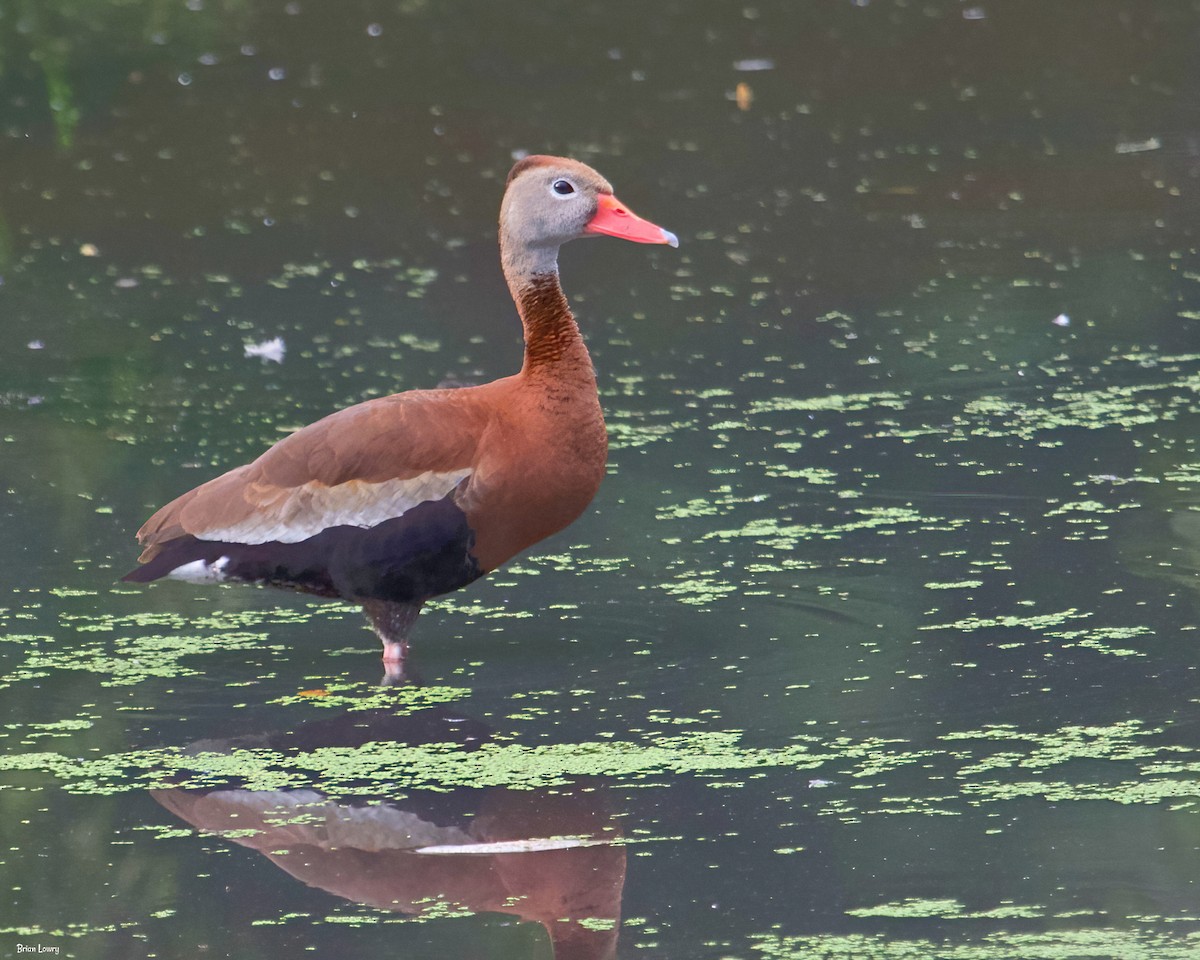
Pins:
x,y
395,656
392,622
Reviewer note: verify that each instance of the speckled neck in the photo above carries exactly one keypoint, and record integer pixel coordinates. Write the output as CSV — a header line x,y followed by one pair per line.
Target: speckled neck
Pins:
x,y
552,337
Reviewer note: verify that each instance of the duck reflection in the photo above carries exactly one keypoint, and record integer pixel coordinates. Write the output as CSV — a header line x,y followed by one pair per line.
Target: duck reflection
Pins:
x,y
548,856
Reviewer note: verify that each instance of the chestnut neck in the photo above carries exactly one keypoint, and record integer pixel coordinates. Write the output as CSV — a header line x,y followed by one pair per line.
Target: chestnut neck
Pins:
x,y
553,343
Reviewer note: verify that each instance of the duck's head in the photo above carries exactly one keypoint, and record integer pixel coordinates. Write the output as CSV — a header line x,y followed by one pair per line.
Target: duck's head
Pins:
x,y
550,200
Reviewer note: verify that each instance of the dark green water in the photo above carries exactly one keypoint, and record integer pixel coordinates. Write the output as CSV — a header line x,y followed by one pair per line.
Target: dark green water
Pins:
x,y
881,638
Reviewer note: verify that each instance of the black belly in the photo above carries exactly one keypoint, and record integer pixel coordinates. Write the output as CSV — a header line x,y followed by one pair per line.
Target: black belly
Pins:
x,y
421,554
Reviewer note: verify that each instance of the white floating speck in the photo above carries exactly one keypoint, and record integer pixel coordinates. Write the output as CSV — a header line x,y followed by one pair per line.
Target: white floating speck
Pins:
x,y
1139,146
1062,320
273,349
89,250
818,784
753,64
36,345
974,13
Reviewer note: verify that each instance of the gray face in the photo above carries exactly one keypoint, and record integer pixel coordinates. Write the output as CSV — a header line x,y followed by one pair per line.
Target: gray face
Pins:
x,y
549,201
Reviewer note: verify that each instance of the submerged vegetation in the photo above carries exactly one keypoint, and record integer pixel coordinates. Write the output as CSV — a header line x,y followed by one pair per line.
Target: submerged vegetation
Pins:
x,y
66,56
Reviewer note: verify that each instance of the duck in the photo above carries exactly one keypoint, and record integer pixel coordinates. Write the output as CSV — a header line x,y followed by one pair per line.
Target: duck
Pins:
x,y
391,502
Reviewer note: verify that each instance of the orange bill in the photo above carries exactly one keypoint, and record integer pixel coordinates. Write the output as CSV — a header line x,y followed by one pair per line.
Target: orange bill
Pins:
x,y
615,219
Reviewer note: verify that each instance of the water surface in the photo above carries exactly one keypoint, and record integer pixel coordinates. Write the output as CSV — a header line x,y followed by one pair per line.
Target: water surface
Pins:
x,y
880,638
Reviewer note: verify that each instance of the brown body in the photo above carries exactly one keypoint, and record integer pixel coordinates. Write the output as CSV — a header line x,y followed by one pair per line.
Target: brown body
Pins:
x,y
535,445
399,499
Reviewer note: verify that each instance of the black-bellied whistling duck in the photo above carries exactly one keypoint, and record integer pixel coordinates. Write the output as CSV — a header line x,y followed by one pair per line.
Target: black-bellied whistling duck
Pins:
x,y
396,500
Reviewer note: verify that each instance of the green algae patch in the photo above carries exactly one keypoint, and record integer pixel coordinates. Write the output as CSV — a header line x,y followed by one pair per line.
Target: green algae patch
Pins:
x,y
701,507
567,563
1127,740
981,767
698,588
168,767
1103,639
628,430
362,696
882,520
335,770
73,930
1060,945
817,476
1154,792
1145,771
1076,507
834,403
1035,622
221,621
913,907
128,649
947,909
597,923
131,660
56,728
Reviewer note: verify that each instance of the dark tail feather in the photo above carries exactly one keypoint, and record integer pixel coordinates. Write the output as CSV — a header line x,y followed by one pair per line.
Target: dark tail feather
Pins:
x,y
176,554
300,566
421,554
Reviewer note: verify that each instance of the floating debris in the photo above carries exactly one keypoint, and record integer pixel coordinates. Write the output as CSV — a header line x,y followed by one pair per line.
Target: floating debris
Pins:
x,y
89,250
1062,320
743,96
754,64
273,349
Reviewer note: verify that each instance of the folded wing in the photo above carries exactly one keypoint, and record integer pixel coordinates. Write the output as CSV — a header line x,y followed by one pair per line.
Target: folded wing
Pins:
x,y
360,467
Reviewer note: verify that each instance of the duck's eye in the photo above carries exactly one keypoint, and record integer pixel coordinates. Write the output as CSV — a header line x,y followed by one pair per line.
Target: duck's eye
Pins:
x,y
564,188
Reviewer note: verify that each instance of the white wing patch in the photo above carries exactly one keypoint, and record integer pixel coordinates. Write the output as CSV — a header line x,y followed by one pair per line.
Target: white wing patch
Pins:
x,y
200,571
532,845
289,515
